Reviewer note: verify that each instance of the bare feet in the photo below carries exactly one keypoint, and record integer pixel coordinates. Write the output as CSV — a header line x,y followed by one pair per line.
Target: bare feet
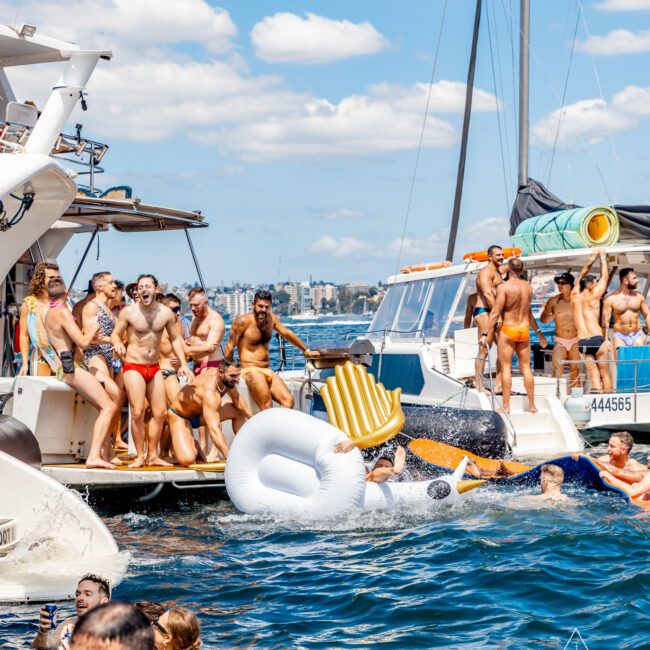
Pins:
x,y
532,408
98,463
138,462
121,445
503,409
155,461
116,461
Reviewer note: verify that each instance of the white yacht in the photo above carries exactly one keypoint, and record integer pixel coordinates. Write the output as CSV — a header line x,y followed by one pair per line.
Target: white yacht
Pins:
x,y
43,205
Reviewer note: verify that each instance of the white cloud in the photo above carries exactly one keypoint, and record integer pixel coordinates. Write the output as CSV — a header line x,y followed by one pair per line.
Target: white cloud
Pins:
x,y
623,5
288,38
343,247
160,92
345,213
619,41
446,97
591,119
131,23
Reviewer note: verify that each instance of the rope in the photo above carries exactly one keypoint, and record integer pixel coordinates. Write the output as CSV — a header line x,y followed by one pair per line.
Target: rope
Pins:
x,y
496,101
415,170
566,85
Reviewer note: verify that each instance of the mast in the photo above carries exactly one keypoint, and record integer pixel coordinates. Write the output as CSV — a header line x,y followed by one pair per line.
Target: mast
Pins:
x,y
524,43
469,90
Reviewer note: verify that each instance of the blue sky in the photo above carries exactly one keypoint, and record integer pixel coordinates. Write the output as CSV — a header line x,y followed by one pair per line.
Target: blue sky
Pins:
x,y
294,126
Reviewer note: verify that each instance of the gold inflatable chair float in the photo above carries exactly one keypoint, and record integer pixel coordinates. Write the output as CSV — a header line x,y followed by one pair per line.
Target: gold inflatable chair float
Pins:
x,y
368,413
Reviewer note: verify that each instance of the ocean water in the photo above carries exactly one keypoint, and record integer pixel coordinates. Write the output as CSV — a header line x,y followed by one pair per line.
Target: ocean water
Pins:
x,y
498,571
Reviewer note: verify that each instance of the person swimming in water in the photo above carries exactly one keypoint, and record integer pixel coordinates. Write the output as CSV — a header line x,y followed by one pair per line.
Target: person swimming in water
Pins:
x,y
551,480
636,484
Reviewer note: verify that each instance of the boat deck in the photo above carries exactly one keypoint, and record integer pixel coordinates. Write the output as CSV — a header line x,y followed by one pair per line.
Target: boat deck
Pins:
x,y
77,475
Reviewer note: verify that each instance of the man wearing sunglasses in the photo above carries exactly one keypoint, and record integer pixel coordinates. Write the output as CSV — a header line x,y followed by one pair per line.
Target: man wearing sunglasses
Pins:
x,y
92,591
559,309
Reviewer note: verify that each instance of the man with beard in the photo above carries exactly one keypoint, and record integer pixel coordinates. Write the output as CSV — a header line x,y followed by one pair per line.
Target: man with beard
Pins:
x,y
206,333
627,305
92,591
201,404
251,334
144,323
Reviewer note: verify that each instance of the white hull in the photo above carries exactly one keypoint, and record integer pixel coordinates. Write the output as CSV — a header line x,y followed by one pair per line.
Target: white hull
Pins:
x,y
59,537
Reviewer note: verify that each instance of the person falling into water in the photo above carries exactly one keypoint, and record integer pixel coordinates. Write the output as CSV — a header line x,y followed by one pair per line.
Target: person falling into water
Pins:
x,y
487,281
512,306
627,305
144,323
251,334
586,299
559,309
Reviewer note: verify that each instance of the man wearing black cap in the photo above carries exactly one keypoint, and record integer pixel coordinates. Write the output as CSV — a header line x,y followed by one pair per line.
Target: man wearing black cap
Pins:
x,y
585,300
559,309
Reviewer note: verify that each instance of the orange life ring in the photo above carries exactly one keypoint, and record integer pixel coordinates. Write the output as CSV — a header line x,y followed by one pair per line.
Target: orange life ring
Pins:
x,y
431,266
482,256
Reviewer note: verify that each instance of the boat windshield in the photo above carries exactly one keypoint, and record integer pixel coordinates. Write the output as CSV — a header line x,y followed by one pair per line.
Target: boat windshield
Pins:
x,y
416,309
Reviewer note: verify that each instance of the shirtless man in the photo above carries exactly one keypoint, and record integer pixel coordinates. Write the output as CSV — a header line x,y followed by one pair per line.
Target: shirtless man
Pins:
x,y
206,333
65,337
551,479
201,404
559,309
169,362
251,334
636,484
585,301
617,459
144,323
487,281
77,310
512,305
627,304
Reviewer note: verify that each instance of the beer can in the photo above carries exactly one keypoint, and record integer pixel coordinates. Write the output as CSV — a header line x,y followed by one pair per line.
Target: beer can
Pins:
x,y
51,610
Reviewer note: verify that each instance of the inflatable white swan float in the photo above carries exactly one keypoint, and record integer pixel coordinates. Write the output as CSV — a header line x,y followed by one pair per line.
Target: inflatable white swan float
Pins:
x,y
282,462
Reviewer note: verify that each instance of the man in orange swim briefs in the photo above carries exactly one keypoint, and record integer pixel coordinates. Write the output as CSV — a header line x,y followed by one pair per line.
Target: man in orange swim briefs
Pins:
x,y
251,334
144,323
512,304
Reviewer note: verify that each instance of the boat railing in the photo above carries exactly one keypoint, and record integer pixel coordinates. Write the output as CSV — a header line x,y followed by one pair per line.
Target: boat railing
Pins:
x,y
494,398
75,149
617,393
419,333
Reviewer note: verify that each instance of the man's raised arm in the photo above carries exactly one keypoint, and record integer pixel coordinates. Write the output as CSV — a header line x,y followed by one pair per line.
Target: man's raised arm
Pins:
x,y
603,282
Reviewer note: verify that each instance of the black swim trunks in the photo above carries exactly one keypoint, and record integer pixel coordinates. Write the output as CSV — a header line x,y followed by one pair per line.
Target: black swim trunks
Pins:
x,y
591,345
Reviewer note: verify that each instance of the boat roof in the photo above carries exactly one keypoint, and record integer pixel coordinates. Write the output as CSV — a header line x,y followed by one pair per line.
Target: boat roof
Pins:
x,y
634,255
128,215
25,50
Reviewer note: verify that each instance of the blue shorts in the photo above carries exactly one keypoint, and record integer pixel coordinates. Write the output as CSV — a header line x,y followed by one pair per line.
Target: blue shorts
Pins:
x,y
195,421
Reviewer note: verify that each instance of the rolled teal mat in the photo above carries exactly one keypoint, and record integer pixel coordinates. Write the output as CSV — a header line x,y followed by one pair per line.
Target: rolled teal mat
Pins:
x,y
566,229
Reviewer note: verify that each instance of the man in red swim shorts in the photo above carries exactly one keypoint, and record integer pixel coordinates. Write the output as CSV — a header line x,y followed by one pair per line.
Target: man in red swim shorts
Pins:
x,y
144,324
512,304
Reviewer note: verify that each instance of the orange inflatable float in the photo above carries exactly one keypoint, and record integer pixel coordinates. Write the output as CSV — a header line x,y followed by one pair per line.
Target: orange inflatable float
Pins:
x,y
482,256
431,266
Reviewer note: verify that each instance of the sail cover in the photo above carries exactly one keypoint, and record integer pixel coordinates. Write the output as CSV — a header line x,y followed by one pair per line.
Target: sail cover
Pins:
x,y
534,199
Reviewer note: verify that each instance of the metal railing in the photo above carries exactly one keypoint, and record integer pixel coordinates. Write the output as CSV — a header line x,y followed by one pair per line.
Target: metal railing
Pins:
x,y
74,149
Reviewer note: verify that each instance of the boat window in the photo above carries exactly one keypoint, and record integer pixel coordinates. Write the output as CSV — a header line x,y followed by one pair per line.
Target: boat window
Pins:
x,y
413,306
458,317
441,298
385,316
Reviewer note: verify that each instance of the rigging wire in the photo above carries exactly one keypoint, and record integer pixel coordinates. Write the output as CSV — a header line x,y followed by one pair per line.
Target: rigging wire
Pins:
x,y
566,85
580,139
415,170
496,99
581,13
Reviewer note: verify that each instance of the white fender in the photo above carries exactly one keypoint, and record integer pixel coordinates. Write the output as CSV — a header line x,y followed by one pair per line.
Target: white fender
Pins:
x,y
283,462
